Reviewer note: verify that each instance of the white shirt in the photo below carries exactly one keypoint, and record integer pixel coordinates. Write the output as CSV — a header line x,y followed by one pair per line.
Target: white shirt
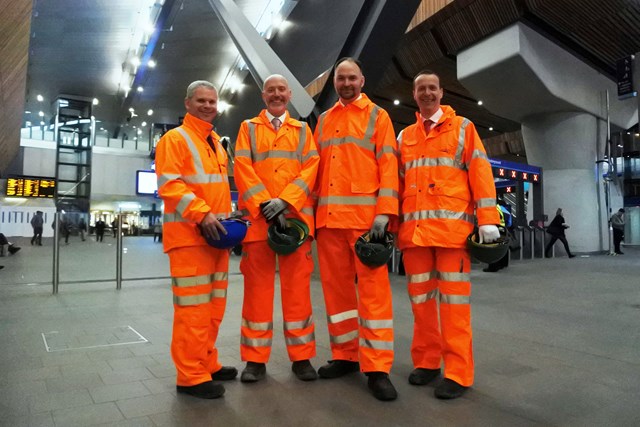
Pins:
x,y
282,118
434,118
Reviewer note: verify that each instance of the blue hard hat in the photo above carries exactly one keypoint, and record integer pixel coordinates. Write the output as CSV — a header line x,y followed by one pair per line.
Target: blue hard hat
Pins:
x,y
236,231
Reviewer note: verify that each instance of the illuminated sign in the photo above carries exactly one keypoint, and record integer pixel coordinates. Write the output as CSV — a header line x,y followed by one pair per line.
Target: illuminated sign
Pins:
x,y
516,171
24,186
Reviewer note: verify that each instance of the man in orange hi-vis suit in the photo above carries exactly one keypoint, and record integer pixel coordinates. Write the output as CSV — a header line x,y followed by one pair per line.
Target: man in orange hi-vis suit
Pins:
x,y
357,191
445,178
275,170
191,165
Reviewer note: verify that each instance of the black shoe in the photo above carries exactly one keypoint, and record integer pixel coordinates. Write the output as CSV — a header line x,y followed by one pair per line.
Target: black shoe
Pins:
x,y
449,389
13,249
253,372
572,256
423,376
489,270
206,390
338,368
619,253
304,371
1,267
225,373
381,386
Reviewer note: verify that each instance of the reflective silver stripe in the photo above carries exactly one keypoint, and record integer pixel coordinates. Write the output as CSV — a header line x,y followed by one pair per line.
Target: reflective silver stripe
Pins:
x,y
432,162
437,214
454,276
385,150
341,317
219,293
299,325
461,137
454,299
486,202
348,200
300,340
205,179
252,139
365,144
320,122
185,300
243,153
310,154
299,182
422,277
371,126
422,298
341,339
166,177
197,160
184,202
307,211
172,217
257,326
376,324
376,344
399,139
302,139
479,154
253,191
255,342
205,279
275,154
387,192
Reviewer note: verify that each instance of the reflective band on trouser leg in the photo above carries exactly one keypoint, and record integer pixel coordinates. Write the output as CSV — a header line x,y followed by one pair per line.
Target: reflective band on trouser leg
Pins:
x,y
295,277
199,285
258,266
422,285
337,273
454,266
376,316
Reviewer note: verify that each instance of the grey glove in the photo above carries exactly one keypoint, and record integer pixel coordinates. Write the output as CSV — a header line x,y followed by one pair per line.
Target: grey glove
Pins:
x,y
272,208
379,227
281,222
488,233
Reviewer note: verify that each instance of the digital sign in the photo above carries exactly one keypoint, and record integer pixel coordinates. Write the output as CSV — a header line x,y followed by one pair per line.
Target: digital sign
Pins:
x,y
146,182
23,186
516,171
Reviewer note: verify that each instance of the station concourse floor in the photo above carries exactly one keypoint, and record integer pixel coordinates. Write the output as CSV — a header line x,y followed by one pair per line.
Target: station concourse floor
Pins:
x,y
556,343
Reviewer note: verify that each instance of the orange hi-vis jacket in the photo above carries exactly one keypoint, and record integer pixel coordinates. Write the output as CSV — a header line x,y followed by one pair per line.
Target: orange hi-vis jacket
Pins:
x,y
270,164
192,181
444,177
358,173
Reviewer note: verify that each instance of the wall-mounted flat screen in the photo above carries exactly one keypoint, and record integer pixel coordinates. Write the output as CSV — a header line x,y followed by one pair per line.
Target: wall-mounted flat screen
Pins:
x,y
31,186
146,183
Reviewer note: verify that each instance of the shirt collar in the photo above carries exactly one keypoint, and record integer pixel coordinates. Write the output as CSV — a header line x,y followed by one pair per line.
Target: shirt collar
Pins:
x,y
435,117
270,116
355,100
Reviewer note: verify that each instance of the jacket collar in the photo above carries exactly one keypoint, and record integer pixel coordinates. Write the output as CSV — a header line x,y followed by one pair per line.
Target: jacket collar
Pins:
x,y
200,127
362,102
263,119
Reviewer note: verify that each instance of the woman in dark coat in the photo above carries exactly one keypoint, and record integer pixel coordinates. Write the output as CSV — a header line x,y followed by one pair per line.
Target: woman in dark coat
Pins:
x,y
556,229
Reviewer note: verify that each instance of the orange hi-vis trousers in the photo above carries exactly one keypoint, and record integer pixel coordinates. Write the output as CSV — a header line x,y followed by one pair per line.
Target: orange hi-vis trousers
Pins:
x,y
258,265
441,275
199,284
359,316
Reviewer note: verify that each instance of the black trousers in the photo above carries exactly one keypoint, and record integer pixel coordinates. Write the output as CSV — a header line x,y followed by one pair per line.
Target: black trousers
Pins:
x,y
563,239
618,235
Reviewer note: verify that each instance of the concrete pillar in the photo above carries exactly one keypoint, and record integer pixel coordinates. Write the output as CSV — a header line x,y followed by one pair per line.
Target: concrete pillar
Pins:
x,y
565,146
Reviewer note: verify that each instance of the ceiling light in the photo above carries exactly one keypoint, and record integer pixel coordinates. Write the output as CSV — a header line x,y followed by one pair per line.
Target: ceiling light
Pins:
x,y
396,102
131,110
41,113
222,106
101,128
95,101
139,131
135,61
490,127
39,98
150,112
27,112
143,124
41,123
151,63
140,89
479,102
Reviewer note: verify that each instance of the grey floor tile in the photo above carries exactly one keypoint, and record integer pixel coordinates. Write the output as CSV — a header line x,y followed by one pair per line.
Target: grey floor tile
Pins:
x,y
126,375
30,420
147,405
74,381
87,415
111,393
64,400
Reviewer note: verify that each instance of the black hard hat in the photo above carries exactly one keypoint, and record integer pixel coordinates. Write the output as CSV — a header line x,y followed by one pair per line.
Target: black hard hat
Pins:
x,y
488,252
285,242
374,253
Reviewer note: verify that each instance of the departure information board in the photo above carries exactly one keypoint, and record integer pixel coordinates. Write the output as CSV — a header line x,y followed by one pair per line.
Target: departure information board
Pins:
x,y
25,186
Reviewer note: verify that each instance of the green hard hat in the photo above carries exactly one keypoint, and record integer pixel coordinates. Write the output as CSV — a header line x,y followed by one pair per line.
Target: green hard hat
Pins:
x,y
285,242
374,253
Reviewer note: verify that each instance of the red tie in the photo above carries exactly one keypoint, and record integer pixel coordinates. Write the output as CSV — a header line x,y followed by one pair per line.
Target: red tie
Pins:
x,y
427,126
276,123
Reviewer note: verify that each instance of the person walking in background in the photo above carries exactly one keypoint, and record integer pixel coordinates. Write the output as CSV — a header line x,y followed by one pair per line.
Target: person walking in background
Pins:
x,y
357,191
445,178
191,166
37,223
100,226
273,141
556,229
617,224
157,232
82,227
